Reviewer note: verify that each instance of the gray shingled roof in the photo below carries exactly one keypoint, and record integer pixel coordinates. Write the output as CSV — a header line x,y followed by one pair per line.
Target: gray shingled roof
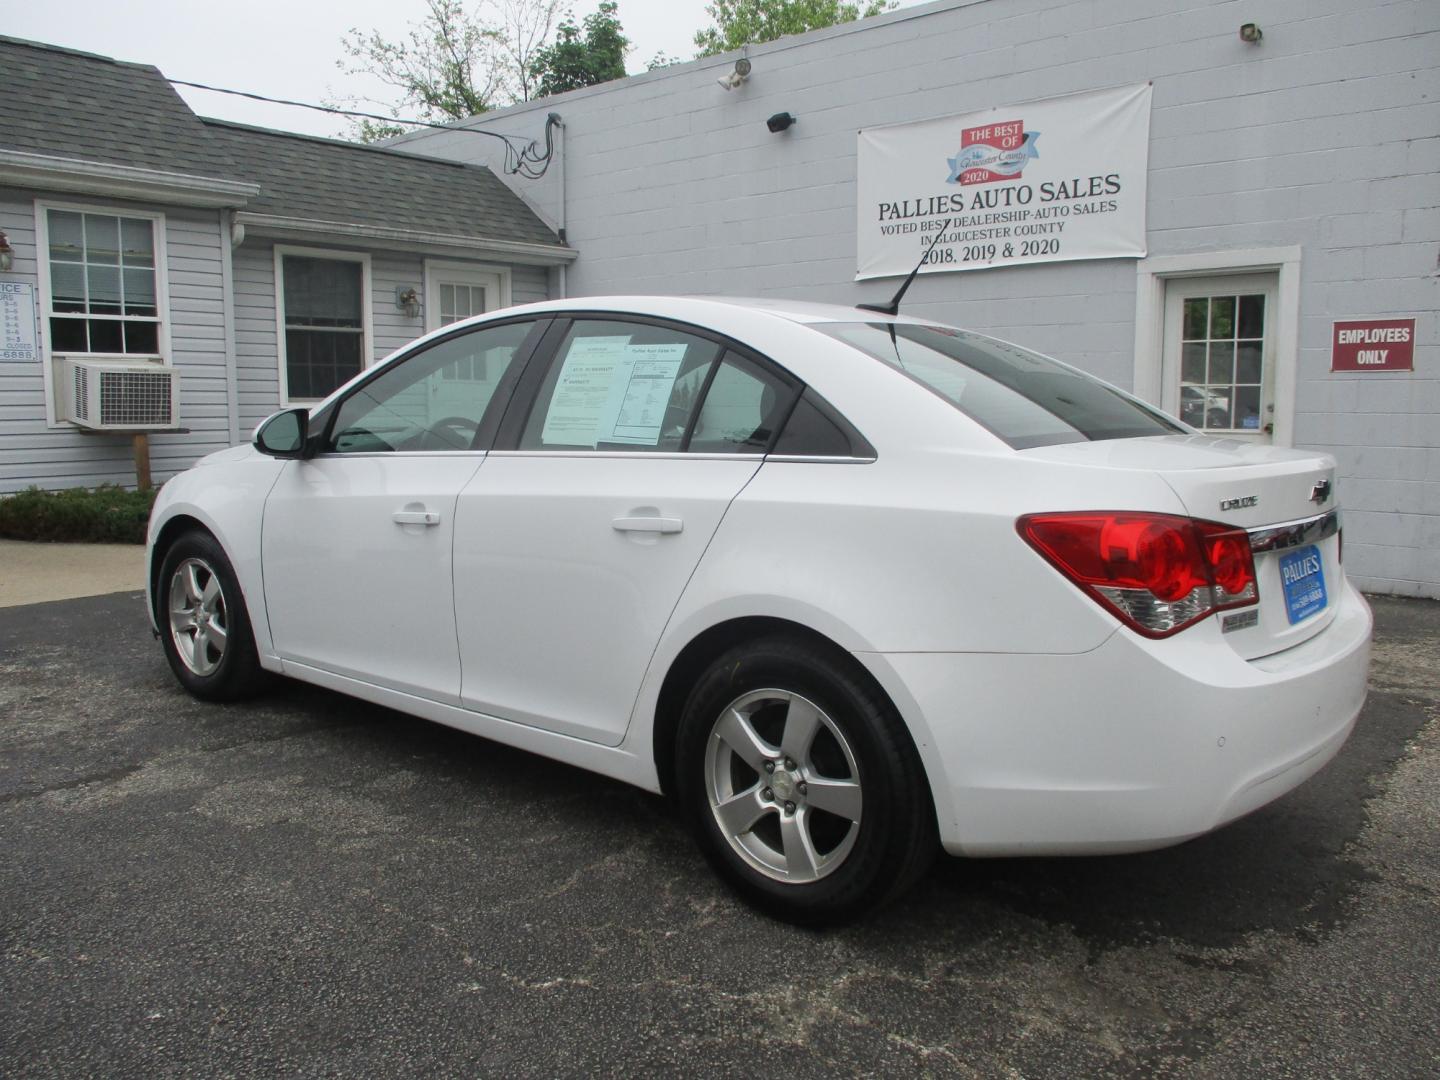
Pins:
x,y
328,180
64,103
70,104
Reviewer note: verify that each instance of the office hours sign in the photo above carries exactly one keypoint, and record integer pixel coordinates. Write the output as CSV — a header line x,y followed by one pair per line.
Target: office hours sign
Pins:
x,y
17,321
1042,182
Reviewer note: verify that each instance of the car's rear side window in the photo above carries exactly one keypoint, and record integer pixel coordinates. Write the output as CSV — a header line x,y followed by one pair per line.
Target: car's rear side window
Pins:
x,y
1022,397
617,385
639,386
742,407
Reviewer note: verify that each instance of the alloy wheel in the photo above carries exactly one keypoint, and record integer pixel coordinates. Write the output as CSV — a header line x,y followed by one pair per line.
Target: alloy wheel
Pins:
x,y
199,622
783,785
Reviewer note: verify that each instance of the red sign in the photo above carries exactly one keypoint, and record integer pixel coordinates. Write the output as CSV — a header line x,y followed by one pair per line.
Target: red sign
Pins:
x,y
1373,345
993,152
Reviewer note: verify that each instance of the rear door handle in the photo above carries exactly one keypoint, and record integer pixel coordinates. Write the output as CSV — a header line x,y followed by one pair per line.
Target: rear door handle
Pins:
x,y
416,517
648,524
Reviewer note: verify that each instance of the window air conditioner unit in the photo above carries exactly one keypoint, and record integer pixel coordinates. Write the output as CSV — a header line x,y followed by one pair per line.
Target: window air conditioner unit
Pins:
x,y
119,397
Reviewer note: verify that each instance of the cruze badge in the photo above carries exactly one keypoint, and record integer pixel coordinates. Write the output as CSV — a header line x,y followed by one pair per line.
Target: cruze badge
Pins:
x,y
1320,492
1240,503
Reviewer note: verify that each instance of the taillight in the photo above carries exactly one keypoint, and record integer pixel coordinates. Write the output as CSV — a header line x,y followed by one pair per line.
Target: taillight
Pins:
x,y
1158,572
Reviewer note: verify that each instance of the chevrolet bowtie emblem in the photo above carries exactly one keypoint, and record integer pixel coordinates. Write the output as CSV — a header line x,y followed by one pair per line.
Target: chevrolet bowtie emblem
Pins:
x,y
1320,492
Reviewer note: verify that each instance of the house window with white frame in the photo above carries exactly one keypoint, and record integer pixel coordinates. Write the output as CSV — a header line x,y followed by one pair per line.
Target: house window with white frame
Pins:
x,y
104,295
322,310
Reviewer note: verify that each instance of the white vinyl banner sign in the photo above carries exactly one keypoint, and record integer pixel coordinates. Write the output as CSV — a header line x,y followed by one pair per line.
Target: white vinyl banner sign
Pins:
x,y
1041,182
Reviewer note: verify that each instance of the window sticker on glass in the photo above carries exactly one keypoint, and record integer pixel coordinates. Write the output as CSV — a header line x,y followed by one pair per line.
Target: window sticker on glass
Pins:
x,y
639,401
612,392
582,391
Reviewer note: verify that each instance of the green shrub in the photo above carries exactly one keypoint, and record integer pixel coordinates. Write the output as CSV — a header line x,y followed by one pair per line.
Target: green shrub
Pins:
x,y
106,515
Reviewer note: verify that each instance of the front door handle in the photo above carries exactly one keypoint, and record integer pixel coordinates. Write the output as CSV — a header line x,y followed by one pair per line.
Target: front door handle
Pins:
x,y
416,517
648,524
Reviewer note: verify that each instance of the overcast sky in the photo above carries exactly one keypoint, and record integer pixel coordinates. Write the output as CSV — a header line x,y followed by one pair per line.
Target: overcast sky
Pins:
x,y
287,48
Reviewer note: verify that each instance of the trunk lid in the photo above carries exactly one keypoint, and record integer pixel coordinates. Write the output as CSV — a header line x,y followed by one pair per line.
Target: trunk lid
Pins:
x,y
1284,498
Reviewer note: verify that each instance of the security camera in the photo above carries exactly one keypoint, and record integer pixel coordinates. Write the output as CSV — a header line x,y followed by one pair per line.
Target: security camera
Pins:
x,y
736,77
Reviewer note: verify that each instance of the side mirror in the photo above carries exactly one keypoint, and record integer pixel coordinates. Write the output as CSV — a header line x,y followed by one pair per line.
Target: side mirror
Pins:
x,y
284,435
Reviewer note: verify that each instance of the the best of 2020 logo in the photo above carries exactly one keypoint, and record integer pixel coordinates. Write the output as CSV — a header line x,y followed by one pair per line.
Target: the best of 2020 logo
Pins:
x,y
993,152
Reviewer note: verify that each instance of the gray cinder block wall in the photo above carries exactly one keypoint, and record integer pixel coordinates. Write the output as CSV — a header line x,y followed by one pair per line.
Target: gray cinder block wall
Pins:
x,y
1325,136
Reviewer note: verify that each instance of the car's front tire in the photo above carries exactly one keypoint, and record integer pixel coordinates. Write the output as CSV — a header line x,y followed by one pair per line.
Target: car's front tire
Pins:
x,y
204,626
801,783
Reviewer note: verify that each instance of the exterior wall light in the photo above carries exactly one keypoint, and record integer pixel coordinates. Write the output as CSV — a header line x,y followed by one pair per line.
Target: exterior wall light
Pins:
x,y
736,77
7,253
408,301
781,121
1250,34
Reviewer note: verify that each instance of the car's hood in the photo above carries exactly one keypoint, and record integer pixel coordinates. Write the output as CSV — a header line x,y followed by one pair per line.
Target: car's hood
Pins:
x,y
230,453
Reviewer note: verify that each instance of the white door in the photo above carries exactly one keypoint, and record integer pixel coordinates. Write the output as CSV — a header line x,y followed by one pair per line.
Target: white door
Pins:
x,y
357,541
1219,359
357,551
573,547
454,291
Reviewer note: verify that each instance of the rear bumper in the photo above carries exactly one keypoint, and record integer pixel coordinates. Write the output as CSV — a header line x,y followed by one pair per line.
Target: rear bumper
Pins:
x,y
1136,744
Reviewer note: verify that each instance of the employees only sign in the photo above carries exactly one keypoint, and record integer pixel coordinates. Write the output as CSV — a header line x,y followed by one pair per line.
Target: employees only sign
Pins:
x,y
1042,182
1373,345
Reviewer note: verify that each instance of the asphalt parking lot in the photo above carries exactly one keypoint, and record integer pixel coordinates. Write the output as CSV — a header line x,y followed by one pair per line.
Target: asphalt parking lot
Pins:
x,y
312,886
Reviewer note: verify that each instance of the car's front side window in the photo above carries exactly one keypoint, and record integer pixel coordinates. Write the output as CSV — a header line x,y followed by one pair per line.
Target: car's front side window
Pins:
x,y
617,385
432,400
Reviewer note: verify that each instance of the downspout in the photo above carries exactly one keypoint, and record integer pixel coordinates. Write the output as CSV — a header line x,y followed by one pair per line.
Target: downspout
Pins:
x,y
560,150
231,235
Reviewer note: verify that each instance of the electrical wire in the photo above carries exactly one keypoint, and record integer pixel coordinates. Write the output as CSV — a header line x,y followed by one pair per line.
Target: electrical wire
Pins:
x,y
521,158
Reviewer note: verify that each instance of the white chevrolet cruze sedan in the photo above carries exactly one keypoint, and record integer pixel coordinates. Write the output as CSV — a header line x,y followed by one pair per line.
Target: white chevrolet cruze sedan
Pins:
x,y
843,584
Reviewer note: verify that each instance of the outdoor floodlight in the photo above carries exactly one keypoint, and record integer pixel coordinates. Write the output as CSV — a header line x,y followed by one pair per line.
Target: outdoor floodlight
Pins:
x,y
736,77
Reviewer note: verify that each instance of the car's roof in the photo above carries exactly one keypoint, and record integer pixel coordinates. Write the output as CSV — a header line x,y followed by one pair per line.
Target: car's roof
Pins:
x,y
805,311
798,311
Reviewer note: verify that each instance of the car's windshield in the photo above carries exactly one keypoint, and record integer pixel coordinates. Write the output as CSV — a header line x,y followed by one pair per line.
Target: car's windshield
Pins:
x,y
1023,397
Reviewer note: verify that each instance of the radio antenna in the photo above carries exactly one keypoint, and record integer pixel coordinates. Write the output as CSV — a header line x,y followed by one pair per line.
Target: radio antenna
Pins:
x,y
893,307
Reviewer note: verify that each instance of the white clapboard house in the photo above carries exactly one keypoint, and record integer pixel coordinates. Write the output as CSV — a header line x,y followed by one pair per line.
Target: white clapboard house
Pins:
x,y
184,277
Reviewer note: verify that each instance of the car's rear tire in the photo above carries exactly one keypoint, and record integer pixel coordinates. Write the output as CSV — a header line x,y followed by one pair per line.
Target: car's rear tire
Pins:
x,y
204,626
801,783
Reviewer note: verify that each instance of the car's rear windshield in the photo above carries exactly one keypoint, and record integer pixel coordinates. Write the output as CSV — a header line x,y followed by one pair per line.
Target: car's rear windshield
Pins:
x,y
1023,397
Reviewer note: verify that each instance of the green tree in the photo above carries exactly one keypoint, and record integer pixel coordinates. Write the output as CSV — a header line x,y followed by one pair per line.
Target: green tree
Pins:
x,y
749,22
582,55
455,62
